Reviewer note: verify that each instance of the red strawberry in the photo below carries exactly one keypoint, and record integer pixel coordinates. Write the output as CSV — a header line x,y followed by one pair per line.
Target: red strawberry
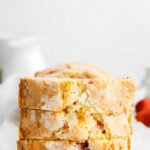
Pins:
x,y
144,117
143,104
100,125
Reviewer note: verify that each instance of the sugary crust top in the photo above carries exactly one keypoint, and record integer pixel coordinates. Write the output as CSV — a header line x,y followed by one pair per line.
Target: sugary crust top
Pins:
x,y
105,95
73,70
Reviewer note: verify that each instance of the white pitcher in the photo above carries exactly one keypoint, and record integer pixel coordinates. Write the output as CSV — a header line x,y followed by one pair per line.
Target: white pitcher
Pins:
x,y
20,55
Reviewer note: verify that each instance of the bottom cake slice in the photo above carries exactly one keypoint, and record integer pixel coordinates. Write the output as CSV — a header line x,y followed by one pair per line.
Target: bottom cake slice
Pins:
x,y
115,144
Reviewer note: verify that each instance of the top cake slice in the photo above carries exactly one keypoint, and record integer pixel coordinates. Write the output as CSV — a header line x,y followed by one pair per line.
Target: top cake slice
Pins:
x,y
104,95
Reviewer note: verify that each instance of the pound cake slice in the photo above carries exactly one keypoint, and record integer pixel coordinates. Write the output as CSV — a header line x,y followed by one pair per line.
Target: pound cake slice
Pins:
x,y
73,124
115,144
105,95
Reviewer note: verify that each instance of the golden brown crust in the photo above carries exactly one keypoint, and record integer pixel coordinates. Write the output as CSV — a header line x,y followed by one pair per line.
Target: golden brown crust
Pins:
x,y
73,70
117,144
105,95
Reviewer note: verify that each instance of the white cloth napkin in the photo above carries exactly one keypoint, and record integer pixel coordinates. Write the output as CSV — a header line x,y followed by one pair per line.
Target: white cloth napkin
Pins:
x,y
9,114
141,136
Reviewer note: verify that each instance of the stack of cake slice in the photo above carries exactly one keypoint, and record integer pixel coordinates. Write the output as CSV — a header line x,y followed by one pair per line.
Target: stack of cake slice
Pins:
x,y
75,107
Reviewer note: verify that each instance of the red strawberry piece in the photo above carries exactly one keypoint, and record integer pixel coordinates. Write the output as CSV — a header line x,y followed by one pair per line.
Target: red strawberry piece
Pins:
x,y
143,104
84,146
90,81
100,125
144,117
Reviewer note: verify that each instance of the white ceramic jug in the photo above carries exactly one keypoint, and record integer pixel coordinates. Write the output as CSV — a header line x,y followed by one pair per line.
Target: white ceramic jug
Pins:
x,y
20,55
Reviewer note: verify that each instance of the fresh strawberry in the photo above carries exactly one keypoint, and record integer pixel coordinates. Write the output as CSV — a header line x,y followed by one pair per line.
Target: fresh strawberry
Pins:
x,y
144,117
143,104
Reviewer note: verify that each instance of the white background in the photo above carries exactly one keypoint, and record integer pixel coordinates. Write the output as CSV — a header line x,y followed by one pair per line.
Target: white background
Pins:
x,y
114,34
